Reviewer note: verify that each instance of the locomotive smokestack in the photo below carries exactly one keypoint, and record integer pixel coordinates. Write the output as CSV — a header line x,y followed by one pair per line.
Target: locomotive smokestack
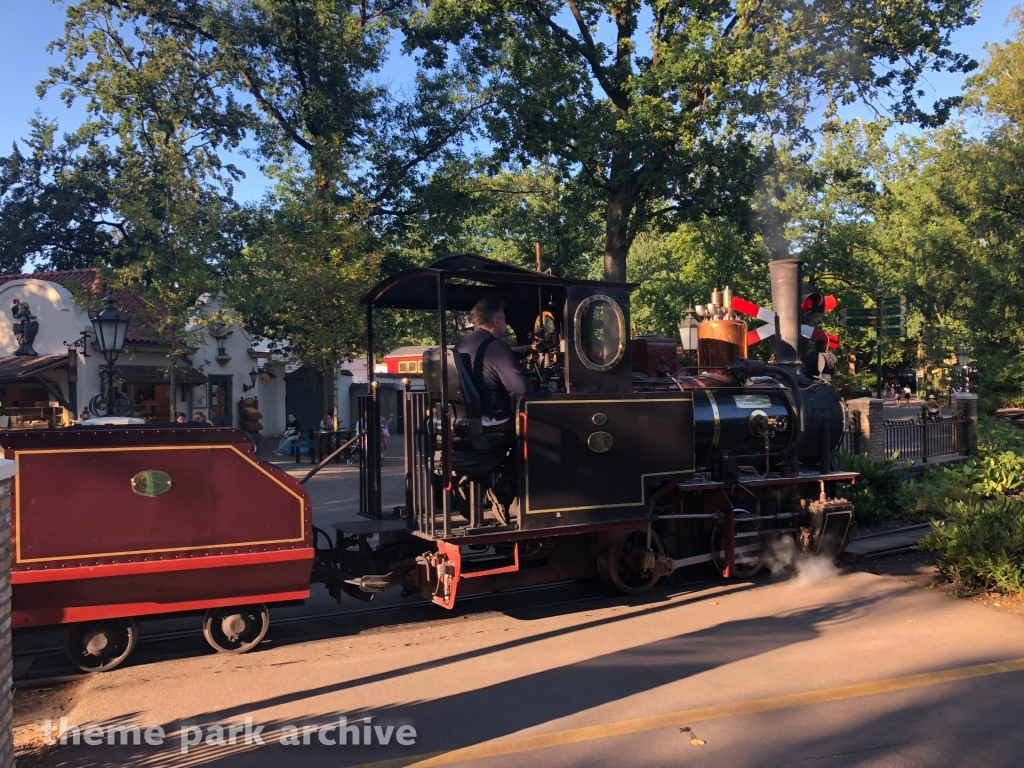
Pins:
x,y
786,282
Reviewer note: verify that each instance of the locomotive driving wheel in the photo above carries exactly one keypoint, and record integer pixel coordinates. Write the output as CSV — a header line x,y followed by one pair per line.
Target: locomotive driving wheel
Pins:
x,y
627,564
747,563
237,628
100,646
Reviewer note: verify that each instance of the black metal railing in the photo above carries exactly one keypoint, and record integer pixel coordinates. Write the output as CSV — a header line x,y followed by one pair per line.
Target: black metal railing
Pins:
x,y
369,456
419,458
917,438
850,442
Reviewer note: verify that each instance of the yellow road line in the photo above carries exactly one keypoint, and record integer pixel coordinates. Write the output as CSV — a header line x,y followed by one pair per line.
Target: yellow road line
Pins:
x,y
674,719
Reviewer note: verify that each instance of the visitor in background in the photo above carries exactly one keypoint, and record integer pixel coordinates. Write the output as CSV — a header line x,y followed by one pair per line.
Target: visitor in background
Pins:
x,y
291,434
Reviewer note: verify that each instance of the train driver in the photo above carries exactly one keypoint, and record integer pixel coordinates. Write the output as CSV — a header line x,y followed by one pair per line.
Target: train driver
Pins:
x,y
498,375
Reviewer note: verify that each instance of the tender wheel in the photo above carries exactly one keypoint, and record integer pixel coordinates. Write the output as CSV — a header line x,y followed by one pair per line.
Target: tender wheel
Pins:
x,y
102,645
623,563
236,629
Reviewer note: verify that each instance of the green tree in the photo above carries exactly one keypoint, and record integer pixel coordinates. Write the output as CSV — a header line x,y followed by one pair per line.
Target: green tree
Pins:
x,y
53,202
151,145
294,85
657,104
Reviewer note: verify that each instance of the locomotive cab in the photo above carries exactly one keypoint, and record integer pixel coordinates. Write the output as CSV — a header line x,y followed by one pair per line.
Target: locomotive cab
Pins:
x,y
596,446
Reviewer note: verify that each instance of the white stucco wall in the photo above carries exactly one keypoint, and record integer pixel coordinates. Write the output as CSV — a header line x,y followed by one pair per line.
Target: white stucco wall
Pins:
x,y
60,320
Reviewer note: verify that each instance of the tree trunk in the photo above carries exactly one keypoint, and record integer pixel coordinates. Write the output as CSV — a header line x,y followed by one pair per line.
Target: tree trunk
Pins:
x,y
617,214
616,241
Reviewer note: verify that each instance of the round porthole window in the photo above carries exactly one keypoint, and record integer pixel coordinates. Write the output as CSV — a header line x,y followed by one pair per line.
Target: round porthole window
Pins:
x,y
600,333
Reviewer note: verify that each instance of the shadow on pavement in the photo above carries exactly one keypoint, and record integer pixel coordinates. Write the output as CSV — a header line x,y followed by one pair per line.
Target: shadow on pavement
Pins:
x,y
495,711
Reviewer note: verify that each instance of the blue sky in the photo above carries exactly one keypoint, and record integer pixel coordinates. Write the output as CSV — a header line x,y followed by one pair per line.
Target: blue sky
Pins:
x,y
26,26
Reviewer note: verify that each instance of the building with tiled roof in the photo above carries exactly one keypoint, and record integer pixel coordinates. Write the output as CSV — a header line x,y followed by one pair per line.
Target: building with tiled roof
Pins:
x,y
54,386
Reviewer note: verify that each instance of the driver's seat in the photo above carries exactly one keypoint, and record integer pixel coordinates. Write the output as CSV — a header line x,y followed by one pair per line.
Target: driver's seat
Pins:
x,y
476,455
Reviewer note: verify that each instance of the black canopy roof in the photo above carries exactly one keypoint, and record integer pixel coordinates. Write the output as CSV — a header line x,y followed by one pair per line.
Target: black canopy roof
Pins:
x,y
475,276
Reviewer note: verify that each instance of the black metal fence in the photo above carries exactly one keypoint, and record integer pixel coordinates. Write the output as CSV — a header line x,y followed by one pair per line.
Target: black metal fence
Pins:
x,y
912,439
850,443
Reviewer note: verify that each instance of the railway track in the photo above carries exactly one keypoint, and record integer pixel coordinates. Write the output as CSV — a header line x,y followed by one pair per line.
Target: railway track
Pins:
x,y
47,666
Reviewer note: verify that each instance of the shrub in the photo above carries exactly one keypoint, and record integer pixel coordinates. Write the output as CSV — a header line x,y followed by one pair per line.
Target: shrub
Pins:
x,y
879,492
993,473
982,543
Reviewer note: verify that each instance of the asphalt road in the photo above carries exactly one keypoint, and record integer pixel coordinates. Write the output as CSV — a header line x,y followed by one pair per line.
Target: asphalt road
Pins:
x,y
823,670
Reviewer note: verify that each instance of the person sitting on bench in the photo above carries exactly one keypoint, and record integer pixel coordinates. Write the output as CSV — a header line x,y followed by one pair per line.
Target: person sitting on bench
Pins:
x,y
498,375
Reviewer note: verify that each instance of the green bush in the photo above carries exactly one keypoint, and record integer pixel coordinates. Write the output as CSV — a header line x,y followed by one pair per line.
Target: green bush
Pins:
x,y
982,543
882,492
990,474
997,467
879,492
996,435
928,494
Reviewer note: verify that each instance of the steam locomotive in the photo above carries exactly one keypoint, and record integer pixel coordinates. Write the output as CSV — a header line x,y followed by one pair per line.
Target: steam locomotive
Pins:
x,y
628,469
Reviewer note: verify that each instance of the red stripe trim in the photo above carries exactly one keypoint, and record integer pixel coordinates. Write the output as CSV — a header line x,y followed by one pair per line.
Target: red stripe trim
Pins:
x,y
161,566
494,571
45,616
744,306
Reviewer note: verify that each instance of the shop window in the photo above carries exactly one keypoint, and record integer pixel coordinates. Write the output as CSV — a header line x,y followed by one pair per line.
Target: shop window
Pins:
x,y
151,402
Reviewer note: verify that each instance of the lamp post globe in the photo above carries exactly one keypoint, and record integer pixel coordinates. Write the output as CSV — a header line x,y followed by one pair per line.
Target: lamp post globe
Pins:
x,y
963,357
111,328
688,333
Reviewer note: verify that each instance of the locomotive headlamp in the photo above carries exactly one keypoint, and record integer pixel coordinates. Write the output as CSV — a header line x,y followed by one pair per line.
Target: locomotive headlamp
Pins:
x,y
688,331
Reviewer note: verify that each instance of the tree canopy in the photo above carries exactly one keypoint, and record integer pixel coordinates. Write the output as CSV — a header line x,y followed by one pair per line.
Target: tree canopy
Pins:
x,y
658,105
677,145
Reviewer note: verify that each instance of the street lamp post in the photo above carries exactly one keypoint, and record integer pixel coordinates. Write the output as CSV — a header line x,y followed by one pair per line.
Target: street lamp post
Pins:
x,y
688,333
963,357
110,327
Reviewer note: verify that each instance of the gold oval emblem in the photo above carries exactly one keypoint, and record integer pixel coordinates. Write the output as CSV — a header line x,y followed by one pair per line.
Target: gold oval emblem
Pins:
x,y
599,442
600,419
152,482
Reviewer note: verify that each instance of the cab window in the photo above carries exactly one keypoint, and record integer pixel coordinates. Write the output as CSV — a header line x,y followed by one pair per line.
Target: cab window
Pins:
x,y
600,333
